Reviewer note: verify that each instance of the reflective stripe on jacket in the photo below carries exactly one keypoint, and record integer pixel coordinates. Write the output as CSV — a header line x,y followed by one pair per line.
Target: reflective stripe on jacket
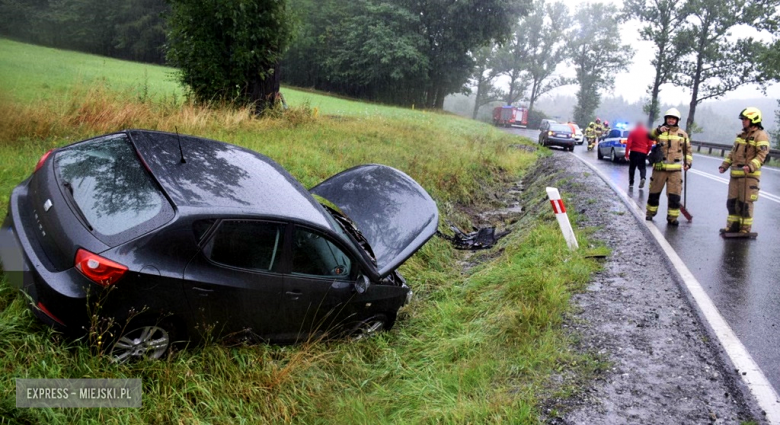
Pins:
x,y
675,146
751,149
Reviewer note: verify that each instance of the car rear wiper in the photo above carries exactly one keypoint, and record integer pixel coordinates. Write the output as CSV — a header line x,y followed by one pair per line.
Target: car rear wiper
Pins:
x,y
79,213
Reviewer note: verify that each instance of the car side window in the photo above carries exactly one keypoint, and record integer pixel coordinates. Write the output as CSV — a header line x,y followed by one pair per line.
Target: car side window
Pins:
x,y
247,244
314,254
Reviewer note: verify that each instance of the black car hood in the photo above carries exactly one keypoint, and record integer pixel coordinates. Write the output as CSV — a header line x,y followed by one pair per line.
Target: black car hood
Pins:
x,y
394,213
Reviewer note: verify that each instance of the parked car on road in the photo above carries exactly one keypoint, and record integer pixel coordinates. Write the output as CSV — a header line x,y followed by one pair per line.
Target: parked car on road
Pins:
x,y
174,235
553,134
613,145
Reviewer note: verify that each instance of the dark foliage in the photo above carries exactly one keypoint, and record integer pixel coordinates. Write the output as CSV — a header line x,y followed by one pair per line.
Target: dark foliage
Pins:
x,y
399,51
132,29
229,51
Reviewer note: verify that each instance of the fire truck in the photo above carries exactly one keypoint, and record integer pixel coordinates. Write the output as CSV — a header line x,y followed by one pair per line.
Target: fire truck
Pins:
x,y
510,116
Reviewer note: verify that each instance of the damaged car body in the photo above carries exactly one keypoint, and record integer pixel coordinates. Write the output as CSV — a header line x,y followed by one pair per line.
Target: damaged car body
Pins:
x,y
177,237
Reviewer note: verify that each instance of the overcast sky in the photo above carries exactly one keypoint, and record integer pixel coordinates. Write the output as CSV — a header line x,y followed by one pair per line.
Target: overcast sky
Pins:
x,y
632,85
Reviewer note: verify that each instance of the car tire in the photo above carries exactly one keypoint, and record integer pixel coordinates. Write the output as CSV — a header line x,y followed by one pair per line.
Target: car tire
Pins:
x,y
150,340
613,157
369,327
598,153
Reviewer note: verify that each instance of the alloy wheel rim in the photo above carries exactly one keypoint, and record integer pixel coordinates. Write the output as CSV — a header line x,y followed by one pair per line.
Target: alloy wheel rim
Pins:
x,y
149,342
369,329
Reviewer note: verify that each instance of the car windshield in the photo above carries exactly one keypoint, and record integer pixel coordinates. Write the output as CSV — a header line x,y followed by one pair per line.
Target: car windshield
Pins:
x,y
560,128
108,183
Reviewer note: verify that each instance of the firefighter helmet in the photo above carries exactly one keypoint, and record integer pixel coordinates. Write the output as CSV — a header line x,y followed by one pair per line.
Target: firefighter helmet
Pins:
x,y
606,123
673,113
598,120
752,114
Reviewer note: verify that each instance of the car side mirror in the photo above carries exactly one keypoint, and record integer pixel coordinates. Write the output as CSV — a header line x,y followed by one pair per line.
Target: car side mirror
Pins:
x,y
362,284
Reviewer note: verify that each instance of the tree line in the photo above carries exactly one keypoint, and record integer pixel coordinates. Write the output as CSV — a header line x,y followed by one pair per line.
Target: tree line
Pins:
x,y
694,42
416,52
404,52
125,29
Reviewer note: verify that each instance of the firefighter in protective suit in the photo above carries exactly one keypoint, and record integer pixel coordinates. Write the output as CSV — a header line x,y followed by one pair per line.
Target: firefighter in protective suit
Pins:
x,y
590,135
599,128
745,160
676,149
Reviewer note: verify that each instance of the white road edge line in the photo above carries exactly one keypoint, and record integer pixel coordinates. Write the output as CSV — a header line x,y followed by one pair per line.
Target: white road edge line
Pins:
x,y
752,375
762,195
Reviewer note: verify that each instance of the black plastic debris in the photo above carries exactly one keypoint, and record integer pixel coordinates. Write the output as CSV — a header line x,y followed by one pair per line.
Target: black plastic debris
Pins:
x,y
482,238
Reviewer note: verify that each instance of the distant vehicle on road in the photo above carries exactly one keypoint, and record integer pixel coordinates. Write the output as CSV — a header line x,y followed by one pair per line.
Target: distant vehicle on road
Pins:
x,y
554,134
613,145
510,116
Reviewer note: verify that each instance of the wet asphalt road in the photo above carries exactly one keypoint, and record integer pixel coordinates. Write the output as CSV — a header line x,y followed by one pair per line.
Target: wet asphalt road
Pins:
x,y
742,277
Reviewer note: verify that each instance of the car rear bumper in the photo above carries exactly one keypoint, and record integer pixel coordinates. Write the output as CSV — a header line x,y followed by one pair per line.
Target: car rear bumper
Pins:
x,y
564,143
58,299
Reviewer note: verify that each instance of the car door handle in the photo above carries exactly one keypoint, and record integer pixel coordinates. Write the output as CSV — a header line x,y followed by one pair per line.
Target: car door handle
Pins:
x,y
294,294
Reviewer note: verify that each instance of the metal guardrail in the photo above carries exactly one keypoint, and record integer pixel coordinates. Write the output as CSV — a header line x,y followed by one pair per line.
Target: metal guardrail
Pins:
x,y
773,153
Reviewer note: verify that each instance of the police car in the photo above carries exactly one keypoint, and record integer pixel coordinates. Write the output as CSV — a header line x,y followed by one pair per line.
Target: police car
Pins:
x,y
614,144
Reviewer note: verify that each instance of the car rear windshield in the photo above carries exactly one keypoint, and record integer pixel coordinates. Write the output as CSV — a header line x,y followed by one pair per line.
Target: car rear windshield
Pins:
x,y
109,184
560,127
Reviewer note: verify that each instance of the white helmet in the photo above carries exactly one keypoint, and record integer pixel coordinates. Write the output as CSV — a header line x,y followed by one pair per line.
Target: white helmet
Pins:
x,y
673,113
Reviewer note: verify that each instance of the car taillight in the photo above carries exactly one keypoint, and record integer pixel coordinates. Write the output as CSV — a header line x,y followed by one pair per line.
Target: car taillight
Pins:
x,y
623,141
42,160
102,271
550,133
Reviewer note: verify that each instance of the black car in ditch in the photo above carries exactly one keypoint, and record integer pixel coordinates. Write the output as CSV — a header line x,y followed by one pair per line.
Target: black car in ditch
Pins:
x,y
174,237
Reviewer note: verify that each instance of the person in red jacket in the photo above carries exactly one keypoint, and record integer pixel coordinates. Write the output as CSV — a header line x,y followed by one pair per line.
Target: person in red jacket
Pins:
x,y
637,148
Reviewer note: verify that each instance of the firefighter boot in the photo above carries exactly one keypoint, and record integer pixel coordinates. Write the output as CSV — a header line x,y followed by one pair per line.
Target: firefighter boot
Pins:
x,y
744,229
732,225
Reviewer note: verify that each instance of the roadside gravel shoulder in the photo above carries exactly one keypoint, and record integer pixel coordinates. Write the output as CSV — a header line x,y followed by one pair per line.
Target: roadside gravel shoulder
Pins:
x,y
663,367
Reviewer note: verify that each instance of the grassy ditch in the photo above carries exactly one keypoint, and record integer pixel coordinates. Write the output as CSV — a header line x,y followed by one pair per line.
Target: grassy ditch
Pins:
x,y
475,346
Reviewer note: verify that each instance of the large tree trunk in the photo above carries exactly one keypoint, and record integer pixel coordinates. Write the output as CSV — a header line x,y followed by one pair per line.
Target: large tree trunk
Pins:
x,y
510,97
694,94
534,95
440,95
430,97
264,93
652,114
477,100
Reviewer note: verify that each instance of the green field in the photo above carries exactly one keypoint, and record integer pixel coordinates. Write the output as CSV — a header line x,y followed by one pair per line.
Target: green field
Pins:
x,y
474,347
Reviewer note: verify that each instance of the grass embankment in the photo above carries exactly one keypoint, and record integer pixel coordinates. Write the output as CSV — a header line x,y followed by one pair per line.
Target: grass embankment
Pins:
x,y
478,347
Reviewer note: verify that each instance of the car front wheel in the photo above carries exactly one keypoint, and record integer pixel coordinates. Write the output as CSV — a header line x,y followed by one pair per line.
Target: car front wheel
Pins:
x,y
144,342
613,157
369,327
598,153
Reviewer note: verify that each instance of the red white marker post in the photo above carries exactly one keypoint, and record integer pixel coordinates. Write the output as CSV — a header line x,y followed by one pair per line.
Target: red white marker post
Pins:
x,y
563,219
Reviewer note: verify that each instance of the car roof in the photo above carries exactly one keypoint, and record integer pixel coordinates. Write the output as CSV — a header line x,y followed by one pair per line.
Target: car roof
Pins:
x,y
217,174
